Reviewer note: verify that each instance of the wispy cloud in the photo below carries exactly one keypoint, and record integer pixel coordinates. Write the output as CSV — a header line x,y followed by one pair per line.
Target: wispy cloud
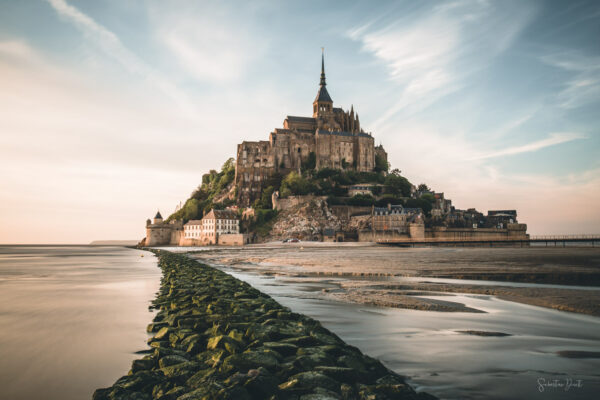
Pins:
x,y
207,50
430,55
113,47
553,140
583,86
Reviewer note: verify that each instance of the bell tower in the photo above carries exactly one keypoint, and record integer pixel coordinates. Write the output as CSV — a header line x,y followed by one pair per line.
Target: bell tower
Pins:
x,y
323,103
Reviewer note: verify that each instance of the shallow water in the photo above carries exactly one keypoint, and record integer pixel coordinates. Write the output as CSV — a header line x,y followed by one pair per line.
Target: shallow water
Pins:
x,y
71,318
481,282
426,347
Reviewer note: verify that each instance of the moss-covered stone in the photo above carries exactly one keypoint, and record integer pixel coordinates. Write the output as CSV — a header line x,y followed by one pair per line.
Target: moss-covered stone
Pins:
x,y
307,381
218,338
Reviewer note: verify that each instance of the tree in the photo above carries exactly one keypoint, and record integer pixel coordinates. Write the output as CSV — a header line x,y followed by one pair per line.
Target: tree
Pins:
x,y
190,210
310,162
423,188
381,165
428,197
265,198
397,184
295,184
361,200
376,190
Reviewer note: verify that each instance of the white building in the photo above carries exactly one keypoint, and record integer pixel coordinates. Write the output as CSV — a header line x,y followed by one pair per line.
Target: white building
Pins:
x,y
213,225
193,229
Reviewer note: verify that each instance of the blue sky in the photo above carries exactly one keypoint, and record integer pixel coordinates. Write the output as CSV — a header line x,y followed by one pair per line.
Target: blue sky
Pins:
x,y
110,110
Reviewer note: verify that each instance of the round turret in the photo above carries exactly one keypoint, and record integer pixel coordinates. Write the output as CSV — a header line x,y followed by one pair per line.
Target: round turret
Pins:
x,y
158,219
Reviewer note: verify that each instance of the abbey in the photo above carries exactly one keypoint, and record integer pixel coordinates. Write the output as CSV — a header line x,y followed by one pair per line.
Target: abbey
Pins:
x,y
332,137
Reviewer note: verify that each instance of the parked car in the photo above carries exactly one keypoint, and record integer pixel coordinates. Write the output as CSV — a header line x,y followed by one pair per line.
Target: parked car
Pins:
x,y
294,240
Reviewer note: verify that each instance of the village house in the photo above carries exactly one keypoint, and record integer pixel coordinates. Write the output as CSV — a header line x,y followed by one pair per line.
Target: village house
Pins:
x,y
214,228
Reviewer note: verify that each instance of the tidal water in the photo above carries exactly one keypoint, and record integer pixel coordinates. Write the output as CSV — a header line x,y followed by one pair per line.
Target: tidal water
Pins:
x,y
426,346
71,318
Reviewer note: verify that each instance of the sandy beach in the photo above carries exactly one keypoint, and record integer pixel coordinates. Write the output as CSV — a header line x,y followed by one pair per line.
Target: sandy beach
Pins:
x,y
559,278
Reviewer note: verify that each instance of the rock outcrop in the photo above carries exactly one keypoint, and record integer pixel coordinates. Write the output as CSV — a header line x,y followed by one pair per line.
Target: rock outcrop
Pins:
x,y
305,220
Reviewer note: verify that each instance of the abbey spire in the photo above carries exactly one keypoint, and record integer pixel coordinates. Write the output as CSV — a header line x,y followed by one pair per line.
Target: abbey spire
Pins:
x,y
323,103
322,83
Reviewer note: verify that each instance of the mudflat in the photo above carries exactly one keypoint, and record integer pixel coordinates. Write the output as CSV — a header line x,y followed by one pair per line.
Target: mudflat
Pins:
x,y
566,279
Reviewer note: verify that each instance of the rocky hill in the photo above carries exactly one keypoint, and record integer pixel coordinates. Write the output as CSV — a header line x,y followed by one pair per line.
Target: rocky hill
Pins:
x,y
305,221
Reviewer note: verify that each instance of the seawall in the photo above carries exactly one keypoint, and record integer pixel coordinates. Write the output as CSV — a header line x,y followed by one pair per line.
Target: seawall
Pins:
x,y
216,337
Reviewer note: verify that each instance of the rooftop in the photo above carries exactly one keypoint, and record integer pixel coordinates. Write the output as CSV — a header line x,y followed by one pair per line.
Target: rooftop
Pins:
x,y
221,214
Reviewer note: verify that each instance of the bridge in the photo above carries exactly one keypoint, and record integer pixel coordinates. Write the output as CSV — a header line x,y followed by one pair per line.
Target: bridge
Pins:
x,y
548,240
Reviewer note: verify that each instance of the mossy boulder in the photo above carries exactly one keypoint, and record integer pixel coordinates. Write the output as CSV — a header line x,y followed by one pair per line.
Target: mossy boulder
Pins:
x,y
167,361
307,381
251,360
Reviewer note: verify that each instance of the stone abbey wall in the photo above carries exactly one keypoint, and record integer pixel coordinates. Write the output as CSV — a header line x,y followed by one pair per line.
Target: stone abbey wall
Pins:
x,y
332,134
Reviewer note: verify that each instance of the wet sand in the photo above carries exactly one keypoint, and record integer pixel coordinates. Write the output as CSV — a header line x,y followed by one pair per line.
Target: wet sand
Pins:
x,y
565,279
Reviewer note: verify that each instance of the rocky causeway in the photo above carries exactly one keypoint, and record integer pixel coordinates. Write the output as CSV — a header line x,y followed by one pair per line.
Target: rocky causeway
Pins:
x,y
216,337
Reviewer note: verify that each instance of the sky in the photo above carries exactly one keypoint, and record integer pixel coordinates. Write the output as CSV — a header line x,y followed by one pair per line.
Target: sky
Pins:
x,y
110,110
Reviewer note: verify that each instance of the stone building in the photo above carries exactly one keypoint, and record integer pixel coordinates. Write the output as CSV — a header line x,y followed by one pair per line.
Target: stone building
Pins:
x,y
193,229
217,227
160,233
332,136
394,222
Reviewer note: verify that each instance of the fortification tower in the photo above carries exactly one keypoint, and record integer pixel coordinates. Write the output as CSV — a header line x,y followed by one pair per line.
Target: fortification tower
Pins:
x,y
158,219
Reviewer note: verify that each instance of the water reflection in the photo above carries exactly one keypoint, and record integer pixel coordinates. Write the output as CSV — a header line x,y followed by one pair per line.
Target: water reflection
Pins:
x,y
71,317
428,347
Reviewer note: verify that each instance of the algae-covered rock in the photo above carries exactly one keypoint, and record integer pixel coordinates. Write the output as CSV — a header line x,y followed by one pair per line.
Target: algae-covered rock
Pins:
x,y
302,341
250,360
143,364
125,394
261,384
224,342
307,381
162,333
340,374
171,360
200,378
181,370
171,394
156,326
285,349
138,381
321,394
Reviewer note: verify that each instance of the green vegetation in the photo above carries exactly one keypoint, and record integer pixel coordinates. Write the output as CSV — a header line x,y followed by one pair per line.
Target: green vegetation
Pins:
x,y
263,221
295,184
310,163
397,184
203,198
387,188
381,165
